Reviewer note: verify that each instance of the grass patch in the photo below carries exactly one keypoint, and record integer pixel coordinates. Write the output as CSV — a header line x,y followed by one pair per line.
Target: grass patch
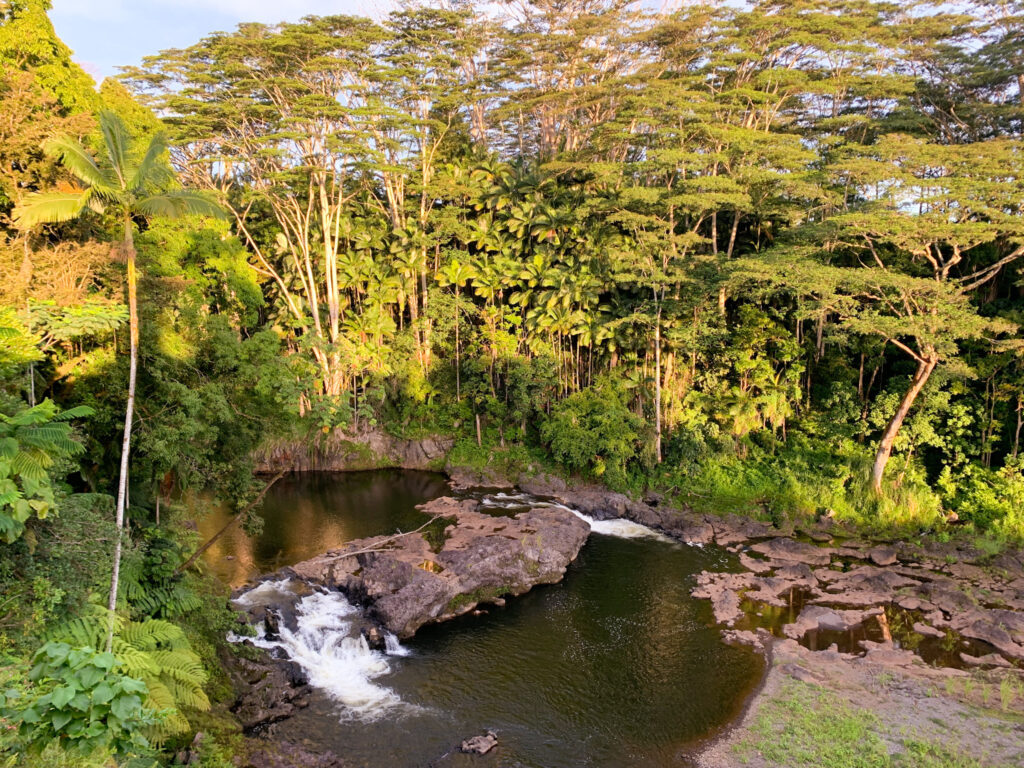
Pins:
x,y
807,727
508,462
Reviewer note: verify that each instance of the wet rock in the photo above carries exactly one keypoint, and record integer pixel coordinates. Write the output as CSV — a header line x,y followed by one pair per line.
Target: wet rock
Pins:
x,y
374,638
287,754
731,530
882,555
923,629
816,617
817,535
541,485
798,574
480,745
272,624
653,498
758,640
680,524
769,590
865,585
794,551
267,691
599,503
723,589
404,583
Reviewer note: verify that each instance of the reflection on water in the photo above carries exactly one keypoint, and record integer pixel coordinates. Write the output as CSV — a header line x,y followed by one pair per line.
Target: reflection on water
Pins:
x,y
306,514
615,666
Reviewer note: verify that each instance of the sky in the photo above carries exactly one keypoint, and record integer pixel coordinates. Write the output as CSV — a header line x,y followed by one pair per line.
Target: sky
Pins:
x,y
106,34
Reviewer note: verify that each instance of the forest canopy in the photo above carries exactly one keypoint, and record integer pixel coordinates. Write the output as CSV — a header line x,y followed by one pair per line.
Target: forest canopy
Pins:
x,y
761,257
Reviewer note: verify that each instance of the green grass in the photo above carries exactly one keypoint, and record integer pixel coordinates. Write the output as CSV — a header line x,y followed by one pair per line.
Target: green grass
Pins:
x,y
808,727
508,462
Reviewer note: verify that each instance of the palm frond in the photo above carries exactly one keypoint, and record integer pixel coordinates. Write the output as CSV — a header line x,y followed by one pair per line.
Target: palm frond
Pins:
x,y
117,140
152,170
179,202
52,208
76,158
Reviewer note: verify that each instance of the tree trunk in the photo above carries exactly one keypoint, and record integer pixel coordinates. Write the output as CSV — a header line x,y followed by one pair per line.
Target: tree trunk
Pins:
x,y
1020,423
657,387
732,235
122,482
925,366
458,376
233,521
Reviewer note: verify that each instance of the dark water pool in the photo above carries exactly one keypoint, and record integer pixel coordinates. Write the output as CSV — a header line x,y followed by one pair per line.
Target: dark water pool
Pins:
x,y
615,666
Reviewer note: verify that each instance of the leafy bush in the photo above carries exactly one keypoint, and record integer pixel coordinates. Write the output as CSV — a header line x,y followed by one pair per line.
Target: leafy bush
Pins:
x,y
592,431
80,700
31,441
157,653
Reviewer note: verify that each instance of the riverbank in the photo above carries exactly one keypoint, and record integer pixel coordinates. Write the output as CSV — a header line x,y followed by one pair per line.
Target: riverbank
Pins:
x,y
833,710
898,628
906,653
561,648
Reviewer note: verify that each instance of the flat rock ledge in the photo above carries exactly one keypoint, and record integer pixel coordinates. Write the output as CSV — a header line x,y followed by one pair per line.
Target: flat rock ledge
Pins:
x,y
405,582
842,581
842,588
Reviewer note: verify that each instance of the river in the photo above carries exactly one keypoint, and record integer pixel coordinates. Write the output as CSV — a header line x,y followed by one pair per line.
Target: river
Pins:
x,y
615,666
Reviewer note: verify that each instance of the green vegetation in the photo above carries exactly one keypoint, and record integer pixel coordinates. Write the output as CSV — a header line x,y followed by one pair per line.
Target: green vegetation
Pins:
x,y
761,258
806,726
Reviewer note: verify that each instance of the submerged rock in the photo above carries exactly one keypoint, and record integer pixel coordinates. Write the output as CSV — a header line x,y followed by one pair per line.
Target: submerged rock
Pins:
x,y
408,581
816,618
480,745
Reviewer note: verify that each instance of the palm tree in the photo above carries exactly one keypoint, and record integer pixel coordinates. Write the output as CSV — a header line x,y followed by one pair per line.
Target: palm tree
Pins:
x,y
456,274
127,186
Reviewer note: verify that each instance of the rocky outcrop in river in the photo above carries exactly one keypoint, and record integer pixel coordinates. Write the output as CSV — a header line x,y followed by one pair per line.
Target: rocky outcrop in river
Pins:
x,y
463,559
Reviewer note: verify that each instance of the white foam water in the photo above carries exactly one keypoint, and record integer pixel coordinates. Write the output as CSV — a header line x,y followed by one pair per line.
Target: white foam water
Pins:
x,y
623,529
333,654
507,500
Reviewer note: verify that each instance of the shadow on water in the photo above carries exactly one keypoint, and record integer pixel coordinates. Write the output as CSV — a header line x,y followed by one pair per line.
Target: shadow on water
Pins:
x,y
306,514
615,666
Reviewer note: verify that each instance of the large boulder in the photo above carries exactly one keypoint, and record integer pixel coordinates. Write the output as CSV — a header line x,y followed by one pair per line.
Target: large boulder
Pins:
x,y
422,577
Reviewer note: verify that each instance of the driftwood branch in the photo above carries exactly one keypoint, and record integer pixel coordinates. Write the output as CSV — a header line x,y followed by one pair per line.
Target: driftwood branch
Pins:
x,y
233,521
380,546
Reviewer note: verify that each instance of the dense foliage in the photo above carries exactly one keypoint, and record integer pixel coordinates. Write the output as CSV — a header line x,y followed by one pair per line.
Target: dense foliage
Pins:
x,y
763,257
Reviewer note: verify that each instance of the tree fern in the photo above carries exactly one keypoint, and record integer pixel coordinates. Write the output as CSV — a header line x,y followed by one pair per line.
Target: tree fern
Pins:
x,y
31,441
153,651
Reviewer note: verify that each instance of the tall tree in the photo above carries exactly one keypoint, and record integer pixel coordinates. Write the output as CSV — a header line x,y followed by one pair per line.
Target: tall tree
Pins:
x,y
128,185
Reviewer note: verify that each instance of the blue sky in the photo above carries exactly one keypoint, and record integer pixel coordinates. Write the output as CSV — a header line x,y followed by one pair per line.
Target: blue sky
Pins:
x,y
105,34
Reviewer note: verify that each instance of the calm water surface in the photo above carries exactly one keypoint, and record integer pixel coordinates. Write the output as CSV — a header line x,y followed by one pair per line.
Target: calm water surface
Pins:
x,y
616,666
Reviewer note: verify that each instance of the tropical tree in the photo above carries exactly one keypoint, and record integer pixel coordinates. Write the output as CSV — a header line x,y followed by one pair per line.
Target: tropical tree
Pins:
x,y
127,185
456,275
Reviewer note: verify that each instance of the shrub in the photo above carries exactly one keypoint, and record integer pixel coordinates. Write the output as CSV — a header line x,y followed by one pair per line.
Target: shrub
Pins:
x,y
592,431
80,701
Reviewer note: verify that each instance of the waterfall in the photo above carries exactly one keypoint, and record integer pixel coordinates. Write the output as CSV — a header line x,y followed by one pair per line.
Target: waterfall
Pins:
x,y
328,646
624,529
